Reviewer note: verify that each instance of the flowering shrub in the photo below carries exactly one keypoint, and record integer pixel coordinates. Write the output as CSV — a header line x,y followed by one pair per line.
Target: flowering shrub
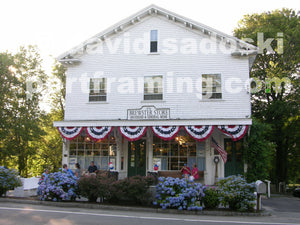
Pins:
x,y
58,186
8,180
178,193
237,193
211,199
134,189
92,186
138,188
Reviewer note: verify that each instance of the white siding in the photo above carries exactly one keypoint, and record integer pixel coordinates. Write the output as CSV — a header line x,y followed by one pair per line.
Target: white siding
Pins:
x,y
182,105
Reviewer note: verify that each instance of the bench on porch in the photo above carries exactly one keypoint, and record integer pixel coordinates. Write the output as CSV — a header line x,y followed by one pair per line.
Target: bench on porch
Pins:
x,y
176,174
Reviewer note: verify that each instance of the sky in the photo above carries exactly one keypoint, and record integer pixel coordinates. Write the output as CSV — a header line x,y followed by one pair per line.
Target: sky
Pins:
x,y
56,26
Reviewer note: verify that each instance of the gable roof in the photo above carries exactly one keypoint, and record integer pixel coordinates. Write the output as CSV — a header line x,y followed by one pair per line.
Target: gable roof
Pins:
x,y
243,48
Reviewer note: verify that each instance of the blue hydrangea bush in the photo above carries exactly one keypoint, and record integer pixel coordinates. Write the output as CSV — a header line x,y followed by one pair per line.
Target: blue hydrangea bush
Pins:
x,y
8,180
58,186
178,194
236,193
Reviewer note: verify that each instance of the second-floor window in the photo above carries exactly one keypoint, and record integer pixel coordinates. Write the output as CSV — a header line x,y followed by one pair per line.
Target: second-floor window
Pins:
x,y
153,88
97,90
153,41
211,86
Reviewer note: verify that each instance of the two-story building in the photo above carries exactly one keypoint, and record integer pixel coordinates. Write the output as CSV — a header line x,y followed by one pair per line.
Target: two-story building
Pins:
x,y
154,92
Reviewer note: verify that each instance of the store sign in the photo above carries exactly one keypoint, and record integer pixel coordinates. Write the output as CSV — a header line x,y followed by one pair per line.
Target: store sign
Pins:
x,y
148,113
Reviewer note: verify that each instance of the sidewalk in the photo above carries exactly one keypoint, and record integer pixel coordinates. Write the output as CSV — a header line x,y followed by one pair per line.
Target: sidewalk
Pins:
x,y
84,204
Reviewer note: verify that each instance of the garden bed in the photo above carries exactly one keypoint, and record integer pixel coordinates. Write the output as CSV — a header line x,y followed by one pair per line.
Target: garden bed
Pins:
x,y
232,193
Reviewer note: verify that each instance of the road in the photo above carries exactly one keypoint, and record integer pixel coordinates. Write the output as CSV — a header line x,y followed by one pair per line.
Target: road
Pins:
x,y
23,214
282,204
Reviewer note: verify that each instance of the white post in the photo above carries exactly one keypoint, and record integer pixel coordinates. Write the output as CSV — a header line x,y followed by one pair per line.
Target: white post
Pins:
x,y
118,139
269,188
149,151
65,152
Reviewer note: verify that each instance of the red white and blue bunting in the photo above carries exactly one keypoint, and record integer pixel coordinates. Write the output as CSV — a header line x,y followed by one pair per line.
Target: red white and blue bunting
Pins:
x,y
165,132
200,133
235,131
132,133
98,133
69,133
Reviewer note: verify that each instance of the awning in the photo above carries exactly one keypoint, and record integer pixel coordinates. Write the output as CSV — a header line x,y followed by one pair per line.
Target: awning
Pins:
x,y
133,133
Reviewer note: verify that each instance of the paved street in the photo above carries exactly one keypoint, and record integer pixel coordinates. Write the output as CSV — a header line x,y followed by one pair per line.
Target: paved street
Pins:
x,y
22,214
282,204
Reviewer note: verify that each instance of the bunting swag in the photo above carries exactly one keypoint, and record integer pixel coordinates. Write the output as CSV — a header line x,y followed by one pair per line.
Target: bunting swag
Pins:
x,y
132,133
69,133
165,132
98,133
236,132
199,133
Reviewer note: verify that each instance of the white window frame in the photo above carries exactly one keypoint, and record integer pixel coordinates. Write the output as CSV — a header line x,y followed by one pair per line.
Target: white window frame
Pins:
x,y
213,94
150,41
153,93
99,91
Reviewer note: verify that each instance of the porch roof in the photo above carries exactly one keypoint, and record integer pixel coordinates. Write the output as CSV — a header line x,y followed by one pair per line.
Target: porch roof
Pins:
x,y
170,122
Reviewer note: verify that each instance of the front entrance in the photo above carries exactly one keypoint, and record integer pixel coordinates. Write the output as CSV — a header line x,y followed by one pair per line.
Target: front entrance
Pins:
x,y
234,164
137,158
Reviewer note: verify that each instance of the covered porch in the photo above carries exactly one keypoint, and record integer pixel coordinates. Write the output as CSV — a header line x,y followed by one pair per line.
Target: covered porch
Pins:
x,y
139,150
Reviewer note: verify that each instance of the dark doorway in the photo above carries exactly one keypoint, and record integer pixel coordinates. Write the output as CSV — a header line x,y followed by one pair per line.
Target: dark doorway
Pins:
x,y
137,158
234,164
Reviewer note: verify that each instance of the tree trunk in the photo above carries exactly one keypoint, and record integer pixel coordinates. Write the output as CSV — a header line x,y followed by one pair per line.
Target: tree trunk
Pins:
x,y
281,162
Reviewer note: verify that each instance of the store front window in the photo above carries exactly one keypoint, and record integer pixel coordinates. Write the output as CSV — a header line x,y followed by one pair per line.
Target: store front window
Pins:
x,y
84,150
173,154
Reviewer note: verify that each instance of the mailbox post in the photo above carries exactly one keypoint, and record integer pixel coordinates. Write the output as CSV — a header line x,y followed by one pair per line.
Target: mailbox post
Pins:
x,y
261,188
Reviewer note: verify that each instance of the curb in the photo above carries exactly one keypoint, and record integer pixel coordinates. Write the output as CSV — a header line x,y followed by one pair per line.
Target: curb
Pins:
x,y
85,205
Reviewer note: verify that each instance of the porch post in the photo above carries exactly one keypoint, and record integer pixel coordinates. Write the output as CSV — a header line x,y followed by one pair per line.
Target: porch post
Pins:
x,y
149,150
65,152
118,138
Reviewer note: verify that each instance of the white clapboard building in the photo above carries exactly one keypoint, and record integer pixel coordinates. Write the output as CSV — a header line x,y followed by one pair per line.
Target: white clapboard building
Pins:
x,y
154,92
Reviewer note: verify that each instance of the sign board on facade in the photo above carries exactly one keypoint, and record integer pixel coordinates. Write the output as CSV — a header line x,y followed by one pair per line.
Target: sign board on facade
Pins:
x,y
148,113
72,163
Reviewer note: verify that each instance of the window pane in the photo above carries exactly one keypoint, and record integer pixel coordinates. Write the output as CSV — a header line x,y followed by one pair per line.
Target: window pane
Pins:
x,y
96,152
153,88
173,153
153,97
97,98
97,89
153,46
211,86
153,41
201,163
218,89
192,151
153,35
73,152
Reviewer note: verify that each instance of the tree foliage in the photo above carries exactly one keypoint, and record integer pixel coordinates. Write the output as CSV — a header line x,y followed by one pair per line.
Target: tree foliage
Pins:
x,y
58,83
49,153
259,152
21,111
28,140
277,67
